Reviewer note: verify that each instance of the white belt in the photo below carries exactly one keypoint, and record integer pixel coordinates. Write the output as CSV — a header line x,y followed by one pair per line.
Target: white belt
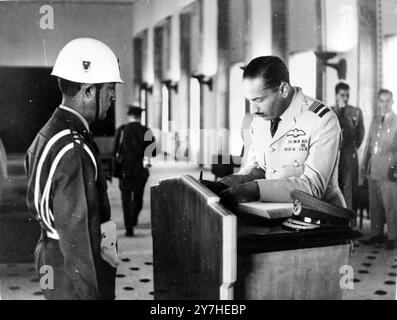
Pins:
x,y
53,236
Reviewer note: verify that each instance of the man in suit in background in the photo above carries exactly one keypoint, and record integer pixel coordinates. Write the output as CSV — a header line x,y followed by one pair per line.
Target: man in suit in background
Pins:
x,y
352,125
381,153
133,143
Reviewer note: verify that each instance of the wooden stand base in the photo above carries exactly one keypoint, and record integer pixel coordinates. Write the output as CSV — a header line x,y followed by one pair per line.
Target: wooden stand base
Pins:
x,y
304,274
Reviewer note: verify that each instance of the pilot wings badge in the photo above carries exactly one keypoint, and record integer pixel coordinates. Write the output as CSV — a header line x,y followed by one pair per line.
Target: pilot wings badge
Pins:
x,y
295,133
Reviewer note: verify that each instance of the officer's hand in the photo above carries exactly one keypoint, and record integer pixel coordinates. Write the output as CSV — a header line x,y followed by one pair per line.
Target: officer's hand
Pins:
x,y
236,179
246,192
215,187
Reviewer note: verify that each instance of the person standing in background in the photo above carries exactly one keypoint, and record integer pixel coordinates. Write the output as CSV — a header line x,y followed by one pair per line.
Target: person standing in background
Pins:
x,y
134,144
352,125
380,154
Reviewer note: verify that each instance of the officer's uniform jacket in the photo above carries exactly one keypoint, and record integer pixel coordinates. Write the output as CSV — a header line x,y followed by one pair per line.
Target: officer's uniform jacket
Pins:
x,y
67,193
381,148
352,125
302,155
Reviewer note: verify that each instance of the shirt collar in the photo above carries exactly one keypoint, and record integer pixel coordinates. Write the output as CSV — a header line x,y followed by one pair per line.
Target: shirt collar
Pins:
x,y
83,120
134,121
295,105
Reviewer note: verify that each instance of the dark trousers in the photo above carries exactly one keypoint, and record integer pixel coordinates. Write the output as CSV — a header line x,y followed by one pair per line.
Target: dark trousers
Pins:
x,y
132,202
348,177
48,254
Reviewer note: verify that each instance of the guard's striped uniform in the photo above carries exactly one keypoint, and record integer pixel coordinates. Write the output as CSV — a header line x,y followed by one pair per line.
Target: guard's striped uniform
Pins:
x,y
67,194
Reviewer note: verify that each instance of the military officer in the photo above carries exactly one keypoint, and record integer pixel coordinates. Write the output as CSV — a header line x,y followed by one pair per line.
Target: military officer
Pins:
x,y
295,146
352,125
67,191
380,154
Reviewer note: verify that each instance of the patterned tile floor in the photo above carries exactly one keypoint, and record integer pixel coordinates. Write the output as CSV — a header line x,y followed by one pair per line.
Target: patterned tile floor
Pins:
x,y
375,270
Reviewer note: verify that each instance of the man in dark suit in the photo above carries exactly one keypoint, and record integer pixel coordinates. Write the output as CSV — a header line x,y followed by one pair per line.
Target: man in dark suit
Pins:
x,y
134,143
351,122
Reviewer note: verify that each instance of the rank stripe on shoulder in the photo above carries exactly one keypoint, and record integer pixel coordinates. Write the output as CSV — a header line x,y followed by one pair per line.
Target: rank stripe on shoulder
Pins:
x,y
319,108
324,112
314,105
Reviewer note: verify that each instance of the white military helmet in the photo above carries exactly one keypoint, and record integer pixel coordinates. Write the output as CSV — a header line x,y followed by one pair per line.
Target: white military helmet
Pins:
x,y
87,60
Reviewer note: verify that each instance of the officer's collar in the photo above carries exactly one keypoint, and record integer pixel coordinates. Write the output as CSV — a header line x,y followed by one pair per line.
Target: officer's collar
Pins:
x,y
295,106
76,120
83,120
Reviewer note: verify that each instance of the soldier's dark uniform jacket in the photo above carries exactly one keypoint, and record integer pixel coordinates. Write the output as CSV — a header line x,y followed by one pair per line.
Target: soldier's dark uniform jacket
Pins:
x,y
352,125
136,144
67,193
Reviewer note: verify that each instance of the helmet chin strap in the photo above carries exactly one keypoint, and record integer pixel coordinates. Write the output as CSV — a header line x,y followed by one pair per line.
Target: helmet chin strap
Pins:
x,y
97,101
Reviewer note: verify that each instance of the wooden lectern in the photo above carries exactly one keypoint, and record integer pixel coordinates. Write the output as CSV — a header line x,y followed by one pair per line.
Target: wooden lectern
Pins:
x,y
201,252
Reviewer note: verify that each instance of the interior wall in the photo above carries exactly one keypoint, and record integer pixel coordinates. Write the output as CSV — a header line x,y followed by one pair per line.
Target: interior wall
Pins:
x,y
388,52
110,23
302,34
302,25
147,13
389,17
341,35
260,29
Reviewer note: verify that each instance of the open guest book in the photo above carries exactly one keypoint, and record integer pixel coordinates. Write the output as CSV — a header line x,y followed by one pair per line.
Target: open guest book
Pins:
x,y
267,210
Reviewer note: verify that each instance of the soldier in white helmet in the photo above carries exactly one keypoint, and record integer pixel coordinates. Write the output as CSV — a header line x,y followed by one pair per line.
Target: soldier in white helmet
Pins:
x,y
67,191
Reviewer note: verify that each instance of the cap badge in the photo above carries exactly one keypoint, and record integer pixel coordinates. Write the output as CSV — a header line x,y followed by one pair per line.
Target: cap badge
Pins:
x,y
86,65
297,207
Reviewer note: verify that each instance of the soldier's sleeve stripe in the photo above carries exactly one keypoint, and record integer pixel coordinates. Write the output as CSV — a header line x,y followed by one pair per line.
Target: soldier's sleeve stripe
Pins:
x,y
92,158
43,156
324,112
320,107
45,203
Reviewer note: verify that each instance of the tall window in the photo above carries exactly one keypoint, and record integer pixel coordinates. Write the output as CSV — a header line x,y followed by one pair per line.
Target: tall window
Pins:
x,y
302,67
236,109
194,118
165,105
143,105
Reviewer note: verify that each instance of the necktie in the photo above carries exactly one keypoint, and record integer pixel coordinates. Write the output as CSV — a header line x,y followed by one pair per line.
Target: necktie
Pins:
x,y
274,125
342,112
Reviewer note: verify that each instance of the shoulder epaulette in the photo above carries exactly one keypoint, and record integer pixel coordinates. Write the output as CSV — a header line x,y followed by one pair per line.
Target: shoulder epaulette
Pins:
x,y
319,108
79,139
